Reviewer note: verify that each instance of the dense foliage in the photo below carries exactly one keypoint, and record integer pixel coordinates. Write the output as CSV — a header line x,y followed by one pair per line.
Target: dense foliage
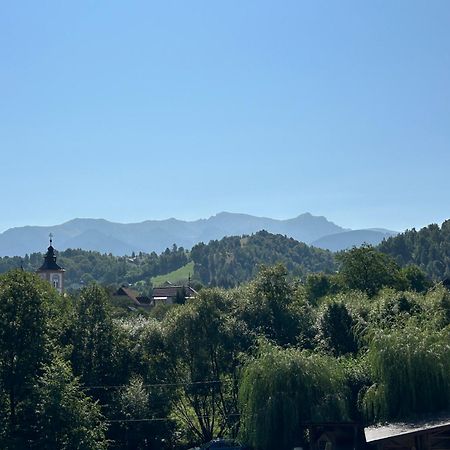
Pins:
x,y
42,404
257,362
410,370
428,248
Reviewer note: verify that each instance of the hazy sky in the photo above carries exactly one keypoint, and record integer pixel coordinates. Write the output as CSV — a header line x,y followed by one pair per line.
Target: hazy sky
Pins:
x,y
132,110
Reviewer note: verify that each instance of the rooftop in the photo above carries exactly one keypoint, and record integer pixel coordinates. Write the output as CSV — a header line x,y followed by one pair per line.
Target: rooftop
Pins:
x,y
50,260
172,290
381,432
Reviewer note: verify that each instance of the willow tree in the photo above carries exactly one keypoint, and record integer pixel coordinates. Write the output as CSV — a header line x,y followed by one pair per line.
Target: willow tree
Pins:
x,y
282,390
410,370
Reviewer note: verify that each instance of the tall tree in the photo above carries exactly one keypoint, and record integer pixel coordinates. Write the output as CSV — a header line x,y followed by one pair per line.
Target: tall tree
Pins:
x,y
205,343
95,354
66,417
24,345
336,330
267,306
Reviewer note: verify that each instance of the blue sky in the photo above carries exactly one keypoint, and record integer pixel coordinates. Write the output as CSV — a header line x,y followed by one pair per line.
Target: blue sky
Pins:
x,y
147,110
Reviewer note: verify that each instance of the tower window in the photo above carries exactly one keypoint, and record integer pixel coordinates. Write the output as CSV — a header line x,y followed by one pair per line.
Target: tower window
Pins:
x,y
55,281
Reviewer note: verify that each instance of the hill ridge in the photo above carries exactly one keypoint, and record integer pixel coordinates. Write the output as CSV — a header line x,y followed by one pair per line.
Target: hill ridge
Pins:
x,y
156,235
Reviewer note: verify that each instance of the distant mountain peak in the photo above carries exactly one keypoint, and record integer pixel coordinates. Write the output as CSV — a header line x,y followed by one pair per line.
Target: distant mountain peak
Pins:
x,y
156,235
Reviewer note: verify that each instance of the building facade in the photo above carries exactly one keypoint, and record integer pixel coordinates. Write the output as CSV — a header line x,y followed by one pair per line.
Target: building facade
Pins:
x,y
51,271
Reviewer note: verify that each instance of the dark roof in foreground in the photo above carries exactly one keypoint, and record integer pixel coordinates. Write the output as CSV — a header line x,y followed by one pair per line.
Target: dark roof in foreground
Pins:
x,y
381,432
128,293
132,295
171,291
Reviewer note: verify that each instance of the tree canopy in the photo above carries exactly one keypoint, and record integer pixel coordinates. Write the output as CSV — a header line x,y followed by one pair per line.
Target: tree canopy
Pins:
x,y
428,248
257,362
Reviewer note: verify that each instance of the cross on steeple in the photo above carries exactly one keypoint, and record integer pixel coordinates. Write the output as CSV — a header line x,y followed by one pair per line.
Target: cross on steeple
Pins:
x,y
51,238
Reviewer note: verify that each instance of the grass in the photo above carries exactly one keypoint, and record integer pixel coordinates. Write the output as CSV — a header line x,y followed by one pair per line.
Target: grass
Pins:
x,y
181,274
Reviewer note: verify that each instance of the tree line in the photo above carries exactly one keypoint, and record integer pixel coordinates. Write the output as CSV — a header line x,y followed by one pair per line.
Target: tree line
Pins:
x,y
234,260
256,362
83,266
428,248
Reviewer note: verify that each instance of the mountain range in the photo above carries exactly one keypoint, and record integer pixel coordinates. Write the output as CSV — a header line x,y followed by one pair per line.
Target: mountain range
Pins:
x,y
156,235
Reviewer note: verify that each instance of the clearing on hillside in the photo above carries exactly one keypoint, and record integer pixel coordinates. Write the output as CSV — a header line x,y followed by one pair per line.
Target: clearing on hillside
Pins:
x,y
181,274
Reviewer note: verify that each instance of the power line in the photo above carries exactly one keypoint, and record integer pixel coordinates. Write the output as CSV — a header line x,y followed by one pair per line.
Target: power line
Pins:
x,y
165,419
152,385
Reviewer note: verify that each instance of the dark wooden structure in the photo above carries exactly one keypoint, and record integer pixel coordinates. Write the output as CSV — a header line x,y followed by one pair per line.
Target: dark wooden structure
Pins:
x,y
336,436
432,433
169,293
166,295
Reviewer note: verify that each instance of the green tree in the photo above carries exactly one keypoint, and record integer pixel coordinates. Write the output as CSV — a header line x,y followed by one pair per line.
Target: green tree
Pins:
x,y
94,355
180,298
205,341
282,390
336,330
366,269
410,369
134,405
24,346
99,352
267,304
416,279
317,285
67,417
138,408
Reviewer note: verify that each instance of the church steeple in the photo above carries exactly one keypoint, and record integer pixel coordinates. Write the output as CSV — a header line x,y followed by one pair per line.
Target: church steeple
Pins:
x,y
50,270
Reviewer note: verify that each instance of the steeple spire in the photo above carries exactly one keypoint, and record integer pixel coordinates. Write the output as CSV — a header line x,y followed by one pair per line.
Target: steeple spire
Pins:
x,y
50,270
50,258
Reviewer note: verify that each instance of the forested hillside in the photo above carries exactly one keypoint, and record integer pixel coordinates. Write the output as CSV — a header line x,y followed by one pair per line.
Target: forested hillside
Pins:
x,y
83,267
223,263
428,248
234,260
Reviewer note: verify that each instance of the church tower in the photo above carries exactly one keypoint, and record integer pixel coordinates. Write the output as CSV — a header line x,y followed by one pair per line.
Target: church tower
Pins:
x,y
51,271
